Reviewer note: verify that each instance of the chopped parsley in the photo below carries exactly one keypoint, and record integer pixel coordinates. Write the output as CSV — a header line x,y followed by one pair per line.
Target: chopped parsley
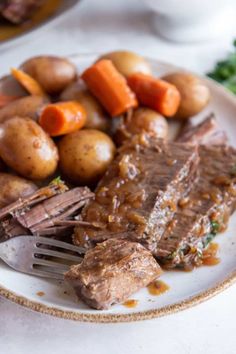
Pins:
x,y
171,256
225,71
207,239
57,180
215,227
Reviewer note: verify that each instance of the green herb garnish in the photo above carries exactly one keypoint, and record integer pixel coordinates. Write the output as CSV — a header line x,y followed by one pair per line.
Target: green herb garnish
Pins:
x,y
171,256
199,253
57,180
59,184
181,252
225,71
207,239
215,226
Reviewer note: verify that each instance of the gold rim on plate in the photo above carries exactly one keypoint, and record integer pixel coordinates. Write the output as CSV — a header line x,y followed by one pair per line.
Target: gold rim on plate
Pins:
x,y
115,318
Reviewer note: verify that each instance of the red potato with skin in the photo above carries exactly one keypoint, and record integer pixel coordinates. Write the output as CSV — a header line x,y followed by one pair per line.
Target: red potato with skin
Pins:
x,y
195,95
5,100
10,87
143,120
14,187
28,106
27,149
85,156
127,62
53,73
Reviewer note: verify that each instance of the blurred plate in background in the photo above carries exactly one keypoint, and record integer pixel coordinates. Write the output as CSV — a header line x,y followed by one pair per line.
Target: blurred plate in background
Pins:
x,y
49,14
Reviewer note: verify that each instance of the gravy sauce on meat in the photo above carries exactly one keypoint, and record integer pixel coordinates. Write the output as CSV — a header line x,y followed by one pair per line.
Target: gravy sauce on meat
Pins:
x,y
130,303
157,287
139,193
209,255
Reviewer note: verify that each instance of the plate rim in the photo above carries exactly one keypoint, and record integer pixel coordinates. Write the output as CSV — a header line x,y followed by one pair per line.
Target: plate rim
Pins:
x,y
140,315
118,318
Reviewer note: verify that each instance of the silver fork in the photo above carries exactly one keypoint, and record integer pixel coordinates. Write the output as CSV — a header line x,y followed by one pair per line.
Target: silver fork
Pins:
x,y
23,253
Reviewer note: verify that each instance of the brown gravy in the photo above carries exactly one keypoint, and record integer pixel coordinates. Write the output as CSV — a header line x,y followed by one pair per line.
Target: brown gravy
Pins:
x,y
157,287
130,303
8,30
209,255
40,293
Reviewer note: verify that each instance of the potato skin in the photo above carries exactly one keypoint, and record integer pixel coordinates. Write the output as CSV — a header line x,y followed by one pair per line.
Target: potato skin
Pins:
x,y
127,62
72,91
96,117
24,107
27,149
53,73
14,187
10,87
195,95
142,120
85,155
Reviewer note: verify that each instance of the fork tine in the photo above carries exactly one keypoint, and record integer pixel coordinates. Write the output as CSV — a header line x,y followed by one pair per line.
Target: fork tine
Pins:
x,y
58,254
53,266
46,274
60,244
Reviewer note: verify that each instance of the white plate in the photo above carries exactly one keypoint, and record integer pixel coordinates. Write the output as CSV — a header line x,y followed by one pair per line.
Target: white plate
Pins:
x,y
186,288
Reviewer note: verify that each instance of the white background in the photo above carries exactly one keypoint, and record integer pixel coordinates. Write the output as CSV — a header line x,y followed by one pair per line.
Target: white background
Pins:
x,y
101,25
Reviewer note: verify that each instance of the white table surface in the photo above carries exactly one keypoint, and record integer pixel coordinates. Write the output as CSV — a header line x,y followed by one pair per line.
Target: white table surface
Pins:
x,y
208,328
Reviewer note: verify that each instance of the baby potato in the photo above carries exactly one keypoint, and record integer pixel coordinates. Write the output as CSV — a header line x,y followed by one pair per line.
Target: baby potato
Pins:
x,y
27,149
24,107
142,120
10,87
72,91
195,95
14,187
52,73
127,62
85,155
96,117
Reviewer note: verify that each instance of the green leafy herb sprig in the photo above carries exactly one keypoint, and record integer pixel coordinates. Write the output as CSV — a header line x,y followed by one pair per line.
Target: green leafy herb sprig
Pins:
x,y
225,71
215,228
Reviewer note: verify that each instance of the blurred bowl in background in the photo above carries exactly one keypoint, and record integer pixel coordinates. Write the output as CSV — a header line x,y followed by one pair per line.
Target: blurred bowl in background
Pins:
x,y
192,20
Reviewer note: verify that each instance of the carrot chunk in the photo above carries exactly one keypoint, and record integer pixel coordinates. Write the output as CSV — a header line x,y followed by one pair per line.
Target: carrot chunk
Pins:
x,y
62,118
29,83
155,93
110,87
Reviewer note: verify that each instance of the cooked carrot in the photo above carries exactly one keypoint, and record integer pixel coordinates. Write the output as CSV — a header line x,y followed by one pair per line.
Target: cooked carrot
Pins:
x,y
4,100
62,118
155,93
110,87
30,84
